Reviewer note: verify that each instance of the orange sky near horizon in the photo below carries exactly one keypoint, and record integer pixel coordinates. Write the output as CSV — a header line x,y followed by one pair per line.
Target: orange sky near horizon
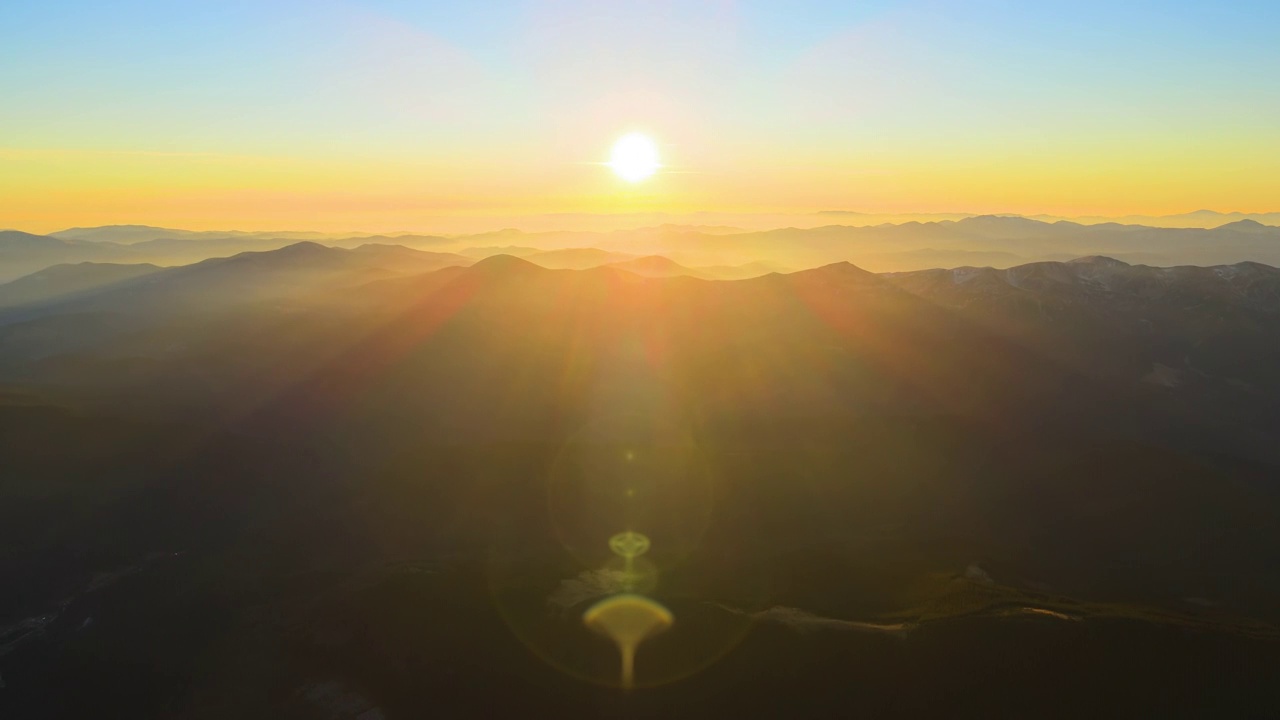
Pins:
x,y
381,115
44,191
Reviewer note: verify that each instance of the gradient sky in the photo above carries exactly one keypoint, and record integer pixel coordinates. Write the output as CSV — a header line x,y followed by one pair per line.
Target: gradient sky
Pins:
x,y
384,115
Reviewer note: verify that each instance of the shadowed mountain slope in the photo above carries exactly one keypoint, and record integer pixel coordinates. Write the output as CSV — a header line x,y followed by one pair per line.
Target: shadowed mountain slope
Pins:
x,y
298,476
62,280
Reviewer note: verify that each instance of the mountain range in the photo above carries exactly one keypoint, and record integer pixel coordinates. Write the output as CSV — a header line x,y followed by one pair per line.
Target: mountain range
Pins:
x,y
332,481
998,241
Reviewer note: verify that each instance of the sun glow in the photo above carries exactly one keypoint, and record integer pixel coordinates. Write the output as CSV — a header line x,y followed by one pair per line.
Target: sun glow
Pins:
x,y
634,157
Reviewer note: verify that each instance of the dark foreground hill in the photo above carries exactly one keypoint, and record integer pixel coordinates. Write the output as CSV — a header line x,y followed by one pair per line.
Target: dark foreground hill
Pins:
x,y
1048,491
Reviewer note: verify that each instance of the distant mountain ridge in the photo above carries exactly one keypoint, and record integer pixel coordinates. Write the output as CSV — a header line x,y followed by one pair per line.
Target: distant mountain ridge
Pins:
x,y
999,241
130,234
293,271
1196,219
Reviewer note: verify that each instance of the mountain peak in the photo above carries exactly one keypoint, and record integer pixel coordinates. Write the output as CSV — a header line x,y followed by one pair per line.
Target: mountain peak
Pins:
x,y
1100,260
988,224
18,235
111,227
844,270
651,266
504,265
998,219
1246,225
304,246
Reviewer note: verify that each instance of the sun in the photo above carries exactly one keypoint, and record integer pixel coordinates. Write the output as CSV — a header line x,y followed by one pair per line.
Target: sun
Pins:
x,y
634,157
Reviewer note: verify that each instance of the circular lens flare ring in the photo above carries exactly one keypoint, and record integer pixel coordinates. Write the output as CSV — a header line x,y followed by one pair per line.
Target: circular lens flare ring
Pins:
x,y
634,157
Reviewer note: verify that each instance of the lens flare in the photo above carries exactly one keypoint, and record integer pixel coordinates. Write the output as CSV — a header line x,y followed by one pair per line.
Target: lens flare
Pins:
x,y
629,544
628,620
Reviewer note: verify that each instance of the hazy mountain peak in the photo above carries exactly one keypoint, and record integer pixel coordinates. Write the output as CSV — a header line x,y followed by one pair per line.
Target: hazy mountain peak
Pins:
x,y
504,265
74,230
1099,260
288,257
652,266
846,266
577,258
391,249
121,233
304,246
1003,226
64,269
844,270
18,235
488,251
1246,225
999,220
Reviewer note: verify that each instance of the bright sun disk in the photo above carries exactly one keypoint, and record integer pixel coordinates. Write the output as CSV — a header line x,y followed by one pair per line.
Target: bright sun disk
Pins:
x,y
634,157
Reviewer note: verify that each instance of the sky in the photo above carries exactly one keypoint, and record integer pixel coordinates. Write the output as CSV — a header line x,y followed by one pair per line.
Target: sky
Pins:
x,y
393,114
